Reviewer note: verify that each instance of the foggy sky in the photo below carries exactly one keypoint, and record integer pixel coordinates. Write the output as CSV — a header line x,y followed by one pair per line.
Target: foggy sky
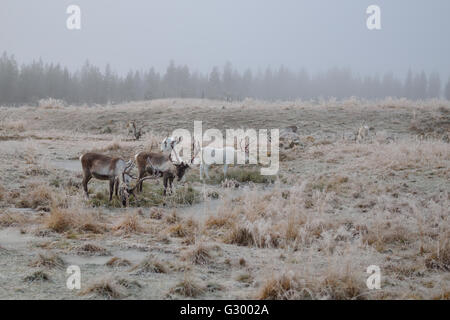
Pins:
x,y
315,34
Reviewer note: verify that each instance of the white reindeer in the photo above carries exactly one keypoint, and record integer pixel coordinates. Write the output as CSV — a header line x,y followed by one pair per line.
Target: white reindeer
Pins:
x,y
168,145
210,155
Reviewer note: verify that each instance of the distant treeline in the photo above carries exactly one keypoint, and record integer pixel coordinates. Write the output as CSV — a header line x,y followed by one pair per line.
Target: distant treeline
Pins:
x,y
28,83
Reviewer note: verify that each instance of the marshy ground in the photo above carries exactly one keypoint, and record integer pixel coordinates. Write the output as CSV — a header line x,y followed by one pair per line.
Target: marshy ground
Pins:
x,y
336,207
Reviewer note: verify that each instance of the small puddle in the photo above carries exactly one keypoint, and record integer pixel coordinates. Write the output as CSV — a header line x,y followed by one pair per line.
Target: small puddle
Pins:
x,y
69,165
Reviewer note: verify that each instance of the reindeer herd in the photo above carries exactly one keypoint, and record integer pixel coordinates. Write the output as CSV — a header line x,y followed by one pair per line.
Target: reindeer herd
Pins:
x,y
150,165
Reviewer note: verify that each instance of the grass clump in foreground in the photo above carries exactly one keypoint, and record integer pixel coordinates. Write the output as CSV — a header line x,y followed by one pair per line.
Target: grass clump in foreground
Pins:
x,y
149,265
12,219
199,255
48,260
74,220
37,276
107,288
188,288
117,262
332,286
129,224
92,249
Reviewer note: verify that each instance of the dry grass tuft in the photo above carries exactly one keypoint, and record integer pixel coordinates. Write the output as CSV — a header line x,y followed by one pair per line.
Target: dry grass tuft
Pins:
x,y
219,221
184,229
440,258
92,249
199,255
156,213
129,224
244,277
188,288
172,218
37,276
13,219
241,236
74,220
106,288
129,284
149,265
48,260
39,195
333,285
282,287
118,262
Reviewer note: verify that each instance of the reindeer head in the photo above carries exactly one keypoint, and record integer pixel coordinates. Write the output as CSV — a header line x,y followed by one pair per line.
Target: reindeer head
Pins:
x,y
246,146
181,169
170,142
124,193
126,173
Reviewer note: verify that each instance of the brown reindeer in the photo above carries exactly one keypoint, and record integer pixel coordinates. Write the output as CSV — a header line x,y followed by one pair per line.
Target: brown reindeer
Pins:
x,y
102,167
159,164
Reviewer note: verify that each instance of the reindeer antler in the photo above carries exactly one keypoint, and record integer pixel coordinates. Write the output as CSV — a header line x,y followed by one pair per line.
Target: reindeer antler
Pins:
x,y
246,145
195,152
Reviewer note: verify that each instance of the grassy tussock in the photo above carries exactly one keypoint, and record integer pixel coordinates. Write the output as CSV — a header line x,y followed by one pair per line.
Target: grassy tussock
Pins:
x,y
74,220
439,259
184,228
333,286
39,276
39,195
130,224
201,255
240,236
92,249
149,265
8,219
106,288
188,287
117,262
48,260
268,218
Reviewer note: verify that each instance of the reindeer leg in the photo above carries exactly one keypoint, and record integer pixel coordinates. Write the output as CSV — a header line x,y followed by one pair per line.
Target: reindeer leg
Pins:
x,y
225,169
140,176
111,187
135,197
165,185
116,186
86,178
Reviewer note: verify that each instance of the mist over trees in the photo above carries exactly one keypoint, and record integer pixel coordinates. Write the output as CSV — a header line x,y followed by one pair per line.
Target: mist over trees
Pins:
x,y
28,83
